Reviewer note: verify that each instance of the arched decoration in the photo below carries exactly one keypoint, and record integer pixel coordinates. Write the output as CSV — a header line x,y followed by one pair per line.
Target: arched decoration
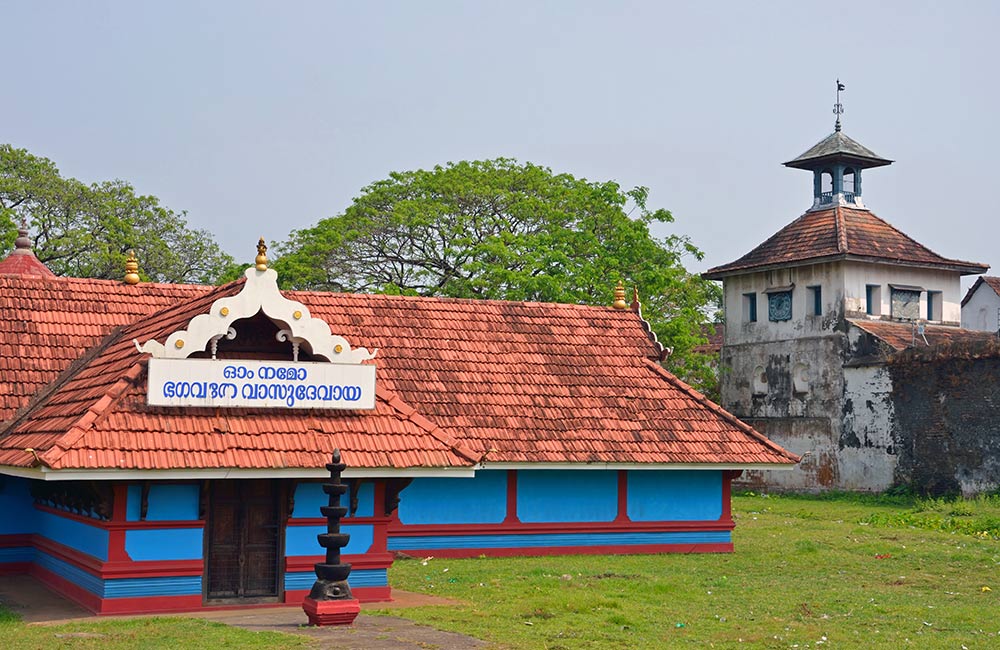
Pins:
x,y
800,378
259,294
759,381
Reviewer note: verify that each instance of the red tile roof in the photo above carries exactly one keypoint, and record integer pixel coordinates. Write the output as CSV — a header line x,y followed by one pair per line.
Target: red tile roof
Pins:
x,y
459,380
991,281
46,323
840,233
904,335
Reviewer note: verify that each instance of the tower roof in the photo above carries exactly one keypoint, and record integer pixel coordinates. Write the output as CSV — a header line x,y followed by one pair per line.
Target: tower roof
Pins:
x,y
22,260
840,233
838,147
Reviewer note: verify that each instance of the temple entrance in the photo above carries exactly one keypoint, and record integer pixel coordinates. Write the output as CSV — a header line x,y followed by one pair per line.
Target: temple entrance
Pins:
x,y
244,541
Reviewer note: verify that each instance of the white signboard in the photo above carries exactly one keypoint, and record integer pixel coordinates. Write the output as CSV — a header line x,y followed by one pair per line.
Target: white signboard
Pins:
x,y
261,384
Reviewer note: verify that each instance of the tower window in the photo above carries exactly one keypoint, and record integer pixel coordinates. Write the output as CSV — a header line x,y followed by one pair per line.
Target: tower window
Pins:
x,y
826,182
849,180
905,303
873,300
750,308
779,306
816,300
934,305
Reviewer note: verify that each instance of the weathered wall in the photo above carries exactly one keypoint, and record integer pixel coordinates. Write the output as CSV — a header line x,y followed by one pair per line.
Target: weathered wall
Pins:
x,y
857,275
868,442
947,411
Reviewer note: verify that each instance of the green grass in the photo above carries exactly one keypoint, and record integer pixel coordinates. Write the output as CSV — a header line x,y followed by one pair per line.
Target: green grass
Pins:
x,y
837,571
151,633
831,571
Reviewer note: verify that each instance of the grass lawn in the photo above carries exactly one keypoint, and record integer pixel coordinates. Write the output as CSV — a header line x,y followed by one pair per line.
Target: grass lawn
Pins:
x,y
808,572
165,632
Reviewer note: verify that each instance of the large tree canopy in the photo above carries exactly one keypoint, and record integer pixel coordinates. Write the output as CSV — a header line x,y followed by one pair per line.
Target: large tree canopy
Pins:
x,y
87,230
505,230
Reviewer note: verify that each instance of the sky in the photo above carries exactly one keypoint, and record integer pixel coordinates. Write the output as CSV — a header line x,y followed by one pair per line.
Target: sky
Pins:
x,y
257,118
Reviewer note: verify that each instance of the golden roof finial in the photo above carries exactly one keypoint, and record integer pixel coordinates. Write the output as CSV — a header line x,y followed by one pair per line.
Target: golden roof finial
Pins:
x,y
619,302
261,260
636,305
131,268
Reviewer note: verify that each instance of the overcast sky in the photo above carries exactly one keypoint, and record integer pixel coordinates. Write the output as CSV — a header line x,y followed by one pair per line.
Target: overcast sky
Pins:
x,y
260,117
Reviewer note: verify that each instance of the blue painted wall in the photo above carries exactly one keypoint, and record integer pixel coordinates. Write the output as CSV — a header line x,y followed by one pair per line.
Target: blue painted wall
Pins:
x,y
310,496
165,502
567,495
479,500
675,495
74,534
301,540
165,544
17,510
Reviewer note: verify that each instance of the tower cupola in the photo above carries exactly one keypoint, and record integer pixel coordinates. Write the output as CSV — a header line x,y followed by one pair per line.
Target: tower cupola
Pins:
x,y
836,162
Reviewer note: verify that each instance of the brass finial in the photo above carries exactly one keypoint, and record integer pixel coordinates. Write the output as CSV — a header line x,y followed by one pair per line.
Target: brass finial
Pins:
x,y
619,302
131,268
636,305
261,260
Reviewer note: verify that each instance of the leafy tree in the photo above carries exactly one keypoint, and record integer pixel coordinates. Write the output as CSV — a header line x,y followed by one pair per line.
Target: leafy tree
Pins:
x,y
505,230
87,230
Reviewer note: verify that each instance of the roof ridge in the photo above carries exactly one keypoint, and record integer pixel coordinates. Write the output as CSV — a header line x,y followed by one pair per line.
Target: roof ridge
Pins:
x,y
718,410
394,401
91,415
841,225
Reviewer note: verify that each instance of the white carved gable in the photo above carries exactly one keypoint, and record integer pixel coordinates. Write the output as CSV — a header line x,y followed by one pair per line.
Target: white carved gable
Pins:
x,y
259,294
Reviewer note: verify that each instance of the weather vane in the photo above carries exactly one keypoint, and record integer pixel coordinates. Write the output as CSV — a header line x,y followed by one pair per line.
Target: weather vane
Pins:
x,y
838,108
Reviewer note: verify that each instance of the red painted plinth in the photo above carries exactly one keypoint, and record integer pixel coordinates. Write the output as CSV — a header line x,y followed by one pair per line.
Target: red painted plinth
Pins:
x,y
331,612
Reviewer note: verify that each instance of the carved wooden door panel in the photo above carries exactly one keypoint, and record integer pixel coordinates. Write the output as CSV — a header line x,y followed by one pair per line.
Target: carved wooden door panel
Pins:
x,y
244,536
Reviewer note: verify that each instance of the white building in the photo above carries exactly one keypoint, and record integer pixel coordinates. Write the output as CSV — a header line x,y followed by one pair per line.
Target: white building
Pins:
x,y
981,305
813,313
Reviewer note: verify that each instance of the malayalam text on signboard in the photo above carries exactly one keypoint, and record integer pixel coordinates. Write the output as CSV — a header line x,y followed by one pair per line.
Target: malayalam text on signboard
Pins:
x,y
262,384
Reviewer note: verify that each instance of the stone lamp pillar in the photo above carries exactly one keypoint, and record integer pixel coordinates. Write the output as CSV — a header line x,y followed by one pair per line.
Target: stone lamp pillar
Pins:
x,y
330,601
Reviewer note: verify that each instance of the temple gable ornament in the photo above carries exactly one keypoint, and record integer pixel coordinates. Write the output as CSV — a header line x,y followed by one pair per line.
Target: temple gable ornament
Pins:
x,y
343,381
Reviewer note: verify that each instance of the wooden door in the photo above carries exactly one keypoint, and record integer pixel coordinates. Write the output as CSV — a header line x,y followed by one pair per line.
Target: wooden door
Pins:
x,y
244,541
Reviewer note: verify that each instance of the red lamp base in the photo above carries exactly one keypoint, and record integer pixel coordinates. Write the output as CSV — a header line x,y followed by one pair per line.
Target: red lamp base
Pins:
x,y
331,612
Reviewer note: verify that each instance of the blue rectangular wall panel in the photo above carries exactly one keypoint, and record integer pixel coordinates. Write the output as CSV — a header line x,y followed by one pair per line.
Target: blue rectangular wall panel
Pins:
x,y
173,502
301,540
165,544
310,496
17,509
165,502
675,495
358,578
74,534
545,496
431,542
479,500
